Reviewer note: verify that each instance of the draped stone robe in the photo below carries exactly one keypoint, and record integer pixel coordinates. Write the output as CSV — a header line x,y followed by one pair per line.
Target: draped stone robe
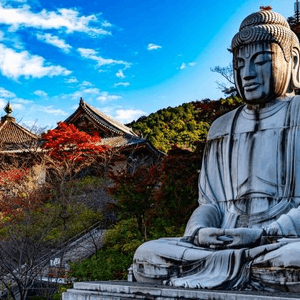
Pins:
x,y
249,178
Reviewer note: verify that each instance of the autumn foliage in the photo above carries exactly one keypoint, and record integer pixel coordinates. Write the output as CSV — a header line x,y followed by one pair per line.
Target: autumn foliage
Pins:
x,y
13,175
18,207
160,197
66,142
67,149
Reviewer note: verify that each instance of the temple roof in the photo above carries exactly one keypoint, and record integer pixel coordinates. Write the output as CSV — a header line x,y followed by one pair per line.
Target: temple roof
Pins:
x,y
113,133
13,136
99,118
127,141
121,141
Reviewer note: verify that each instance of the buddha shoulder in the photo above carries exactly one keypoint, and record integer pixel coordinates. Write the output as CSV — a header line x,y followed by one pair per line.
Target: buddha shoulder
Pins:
x,y
222,125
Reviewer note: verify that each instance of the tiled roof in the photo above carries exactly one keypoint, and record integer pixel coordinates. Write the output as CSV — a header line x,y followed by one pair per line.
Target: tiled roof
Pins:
x,y
126,141
102,119
13,134
123,135
121,141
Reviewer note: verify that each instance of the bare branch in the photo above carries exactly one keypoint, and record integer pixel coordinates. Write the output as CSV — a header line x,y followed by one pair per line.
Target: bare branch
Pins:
x,y
228,74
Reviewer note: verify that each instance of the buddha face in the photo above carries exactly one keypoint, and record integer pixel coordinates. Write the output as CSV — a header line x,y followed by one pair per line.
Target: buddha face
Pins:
x,y
261,72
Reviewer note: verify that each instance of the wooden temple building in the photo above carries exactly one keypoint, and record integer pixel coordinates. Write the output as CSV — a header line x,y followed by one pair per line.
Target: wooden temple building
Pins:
x,y
18,150
113,133
14,137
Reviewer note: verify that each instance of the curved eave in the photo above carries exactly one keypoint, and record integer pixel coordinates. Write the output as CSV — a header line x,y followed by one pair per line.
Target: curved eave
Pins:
x,y
105,121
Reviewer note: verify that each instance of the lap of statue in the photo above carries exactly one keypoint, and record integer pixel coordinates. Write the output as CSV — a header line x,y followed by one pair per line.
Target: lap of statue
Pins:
x,y
175,262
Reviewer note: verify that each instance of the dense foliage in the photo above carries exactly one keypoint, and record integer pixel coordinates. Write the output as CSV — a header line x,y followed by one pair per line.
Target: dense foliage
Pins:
x,y
171,126
183,125
152,202
155,201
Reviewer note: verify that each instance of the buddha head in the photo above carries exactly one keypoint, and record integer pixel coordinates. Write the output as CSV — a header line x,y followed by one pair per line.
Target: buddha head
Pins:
x,y
266,57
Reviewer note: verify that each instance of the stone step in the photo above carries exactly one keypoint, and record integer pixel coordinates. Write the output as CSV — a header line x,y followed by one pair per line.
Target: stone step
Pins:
x,y
123,290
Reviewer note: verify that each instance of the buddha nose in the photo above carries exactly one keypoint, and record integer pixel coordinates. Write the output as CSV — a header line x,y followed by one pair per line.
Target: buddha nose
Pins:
x,y
249,70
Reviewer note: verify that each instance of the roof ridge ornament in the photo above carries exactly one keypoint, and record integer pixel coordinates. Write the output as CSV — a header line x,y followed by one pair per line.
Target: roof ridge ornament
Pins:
x,y
8,109
265,7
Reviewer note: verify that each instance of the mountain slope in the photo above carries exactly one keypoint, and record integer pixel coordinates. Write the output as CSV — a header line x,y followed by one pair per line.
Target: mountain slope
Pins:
x,y
183,125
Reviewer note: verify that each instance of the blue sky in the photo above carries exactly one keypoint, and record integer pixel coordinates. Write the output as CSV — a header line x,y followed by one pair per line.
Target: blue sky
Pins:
x,y
127,58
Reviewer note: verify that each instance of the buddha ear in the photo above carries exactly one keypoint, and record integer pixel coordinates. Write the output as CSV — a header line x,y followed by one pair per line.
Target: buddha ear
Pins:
x,y
296,68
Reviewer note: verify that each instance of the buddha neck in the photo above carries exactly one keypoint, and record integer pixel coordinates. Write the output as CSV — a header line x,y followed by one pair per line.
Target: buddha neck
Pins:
x,y
262,105
259,112
268,104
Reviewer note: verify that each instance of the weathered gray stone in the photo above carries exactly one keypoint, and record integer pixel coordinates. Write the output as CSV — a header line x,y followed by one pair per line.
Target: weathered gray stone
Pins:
x,y
124,290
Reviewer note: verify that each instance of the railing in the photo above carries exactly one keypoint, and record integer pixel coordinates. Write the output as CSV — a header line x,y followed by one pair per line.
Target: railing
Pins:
x,y
72,242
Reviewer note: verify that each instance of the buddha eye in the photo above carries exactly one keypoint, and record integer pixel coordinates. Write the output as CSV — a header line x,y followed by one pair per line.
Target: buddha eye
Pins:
x,y
263,58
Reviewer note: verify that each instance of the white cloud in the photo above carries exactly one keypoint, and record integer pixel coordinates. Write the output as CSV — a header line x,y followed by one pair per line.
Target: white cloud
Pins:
x,y
71,80
86,83
69,19
94,91
16,64
3,102
106,24
183,66
151,47
85,92
22,101
120,74
6,94
17,103
93,55
91,94
54,41
87,53
128,115
50,110
125,84
105,96
40,93
108,110
18,106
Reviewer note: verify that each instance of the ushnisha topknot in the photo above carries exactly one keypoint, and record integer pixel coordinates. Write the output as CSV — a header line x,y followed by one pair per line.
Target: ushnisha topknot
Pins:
x,y
266,26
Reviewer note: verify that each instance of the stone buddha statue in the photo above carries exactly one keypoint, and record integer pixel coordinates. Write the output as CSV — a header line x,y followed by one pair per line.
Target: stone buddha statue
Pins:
x,y
246,231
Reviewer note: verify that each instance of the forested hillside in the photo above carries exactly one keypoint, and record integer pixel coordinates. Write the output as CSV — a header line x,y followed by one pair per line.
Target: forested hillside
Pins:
x,y
182,125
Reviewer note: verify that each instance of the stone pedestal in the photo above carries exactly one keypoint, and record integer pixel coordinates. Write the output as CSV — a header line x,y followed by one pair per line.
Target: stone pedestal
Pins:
x,y
122,290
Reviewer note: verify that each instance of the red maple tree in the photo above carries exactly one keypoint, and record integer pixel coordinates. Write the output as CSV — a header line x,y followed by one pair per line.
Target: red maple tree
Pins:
x,y
17,195
13,175
66,142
